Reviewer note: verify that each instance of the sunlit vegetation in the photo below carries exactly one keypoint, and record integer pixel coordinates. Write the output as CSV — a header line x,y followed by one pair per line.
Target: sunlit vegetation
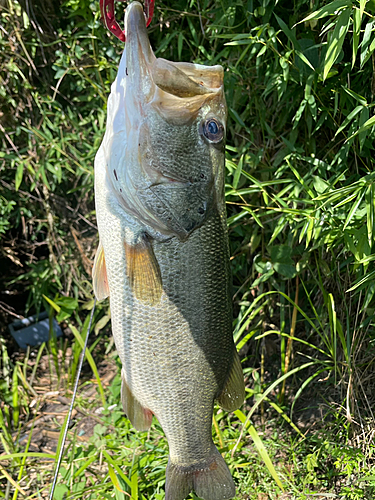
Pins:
x,y
300,189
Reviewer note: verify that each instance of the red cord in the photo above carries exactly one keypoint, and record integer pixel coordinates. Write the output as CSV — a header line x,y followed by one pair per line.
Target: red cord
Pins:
x,y
107,9
149,8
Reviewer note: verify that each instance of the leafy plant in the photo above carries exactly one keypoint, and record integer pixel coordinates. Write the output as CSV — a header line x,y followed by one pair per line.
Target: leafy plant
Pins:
x,y
300,195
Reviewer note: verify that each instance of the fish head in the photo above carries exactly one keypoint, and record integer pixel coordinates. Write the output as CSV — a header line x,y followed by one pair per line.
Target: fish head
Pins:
x,y
165,136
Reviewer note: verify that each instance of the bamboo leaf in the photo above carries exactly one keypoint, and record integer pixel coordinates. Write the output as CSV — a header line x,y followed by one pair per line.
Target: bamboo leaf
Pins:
x,y
354,208
304,59
289,33
237,173
362,5
369,199
365,44
356,96
363,117
256,218
336,39
19,174
327,10
368,124
366,278
349,118
357,18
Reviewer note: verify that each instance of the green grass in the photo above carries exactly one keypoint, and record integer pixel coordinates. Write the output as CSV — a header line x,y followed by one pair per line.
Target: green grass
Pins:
x,y
262,449
300,196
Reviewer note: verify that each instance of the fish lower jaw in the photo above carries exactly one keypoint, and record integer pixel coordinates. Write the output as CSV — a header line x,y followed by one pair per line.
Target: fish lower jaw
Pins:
x,y
157,178
160,178
169,180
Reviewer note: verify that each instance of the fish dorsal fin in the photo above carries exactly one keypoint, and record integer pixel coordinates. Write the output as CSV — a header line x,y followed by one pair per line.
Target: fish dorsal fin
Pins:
x,y
99,275
233,394
139,417
143,271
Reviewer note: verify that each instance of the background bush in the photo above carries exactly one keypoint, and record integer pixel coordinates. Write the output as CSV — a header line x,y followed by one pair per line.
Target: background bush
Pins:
x,y
299,79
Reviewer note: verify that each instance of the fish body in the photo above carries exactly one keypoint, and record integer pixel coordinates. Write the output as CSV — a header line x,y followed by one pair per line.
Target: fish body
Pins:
x,y
163,256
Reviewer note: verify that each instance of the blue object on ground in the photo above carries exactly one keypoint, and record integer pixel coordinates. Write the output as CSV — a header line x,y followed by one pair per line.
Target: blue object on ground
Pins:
x,y
34,330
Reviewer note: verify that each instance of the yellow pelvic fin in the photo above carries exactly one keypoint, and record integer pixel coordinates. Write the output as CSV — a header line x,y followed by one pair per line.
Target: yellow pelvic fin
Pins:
x,y
143,271
139,417
233,394
99,275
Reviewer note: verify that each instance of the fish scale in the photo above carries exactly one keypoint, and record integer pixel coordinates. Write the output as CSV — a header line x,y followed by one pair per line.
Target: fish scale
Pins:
x,y
188,335
163,256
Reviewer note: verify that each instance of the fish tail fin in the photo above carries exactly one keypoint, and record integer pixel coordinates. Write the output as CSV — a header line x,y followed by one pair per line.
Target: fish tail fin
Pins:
x,y
211,480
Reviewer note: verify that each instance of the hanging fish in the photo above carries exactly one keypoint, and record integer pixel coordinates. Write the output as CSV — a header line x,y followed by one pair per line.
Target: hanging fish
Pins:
x,y
163,256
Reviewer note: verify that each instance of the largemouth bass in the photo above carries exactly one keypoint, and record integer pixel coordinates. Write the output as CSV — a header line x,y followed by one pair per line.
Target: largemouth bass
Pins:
x,y
163,255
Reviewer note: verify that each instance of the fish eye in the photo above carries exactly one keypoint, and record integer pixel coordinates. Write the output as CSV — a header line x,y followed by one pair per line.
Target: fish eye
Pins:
x,y
212,130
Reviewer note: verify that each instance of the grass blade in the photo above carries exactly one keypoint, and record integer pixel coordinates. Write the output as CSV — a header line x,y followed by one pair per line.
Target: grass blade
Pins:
x,y
262,397
12,481
90,360
260,447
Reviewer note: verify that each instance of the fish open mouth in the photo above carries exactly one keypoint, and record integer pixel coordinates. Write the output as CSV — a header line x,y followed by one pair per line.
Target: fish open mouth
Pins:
x,y
176,90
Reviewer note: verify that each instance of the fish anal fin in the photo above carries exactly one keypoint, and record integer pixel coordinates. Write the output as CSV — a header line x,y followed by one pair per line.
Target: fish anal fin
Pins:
x,y
143,272
233,394
99,275
139,416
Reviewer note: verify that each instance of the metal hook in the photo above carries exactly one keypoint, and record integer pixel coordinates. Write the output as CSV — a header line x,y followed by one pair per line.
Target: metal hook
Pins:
x,y
107,9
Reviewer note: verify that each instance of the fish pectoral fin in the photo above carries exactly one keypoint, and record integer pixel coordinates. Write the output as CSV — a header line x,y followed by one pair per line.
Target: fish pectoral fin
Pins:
x,y
99,275
139,417
143,272
233,394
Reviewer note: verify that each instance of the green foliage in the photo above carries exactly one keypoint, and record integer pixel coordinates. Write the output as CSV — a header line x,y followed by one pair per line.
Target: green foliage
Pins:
x,y
300,194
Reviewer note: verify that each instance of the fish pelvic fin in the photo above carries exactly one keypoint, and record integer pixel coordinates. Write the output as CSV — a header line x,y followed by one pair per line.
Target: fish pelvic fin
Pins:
x,y
210,480
139,416
233,394
99,275
143,271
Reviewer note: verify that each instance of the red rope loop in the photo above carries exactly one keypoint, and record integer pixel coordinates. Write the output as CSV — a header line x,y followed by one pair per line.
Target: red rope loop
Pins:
x,y
107,9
